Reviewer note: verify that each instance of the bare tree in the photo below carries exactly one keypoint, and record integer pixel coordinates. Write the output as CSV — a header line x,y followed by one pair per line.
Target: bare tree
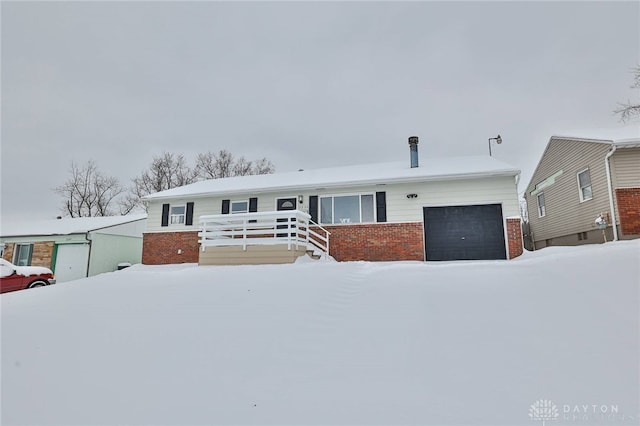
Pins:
x,y
88,192
215,166
165,172
223,164
628,111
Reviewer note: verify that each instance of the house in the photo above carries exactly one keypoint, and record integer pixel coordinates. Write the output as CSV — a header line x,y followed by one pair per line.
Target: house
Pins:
x,y
441,209
583,178
75,248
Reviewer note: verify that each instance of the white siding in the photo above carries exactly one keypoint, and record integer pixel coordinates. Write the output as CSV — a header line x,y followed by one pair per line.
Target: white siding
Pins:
x,y
107,251
490,190
131,229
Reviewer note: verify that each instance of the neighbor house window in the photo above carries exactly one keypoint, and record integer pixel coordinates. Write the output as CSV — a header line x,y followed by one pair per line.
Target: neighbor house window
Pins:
x,y
177,214
584,183
541,208
347,209
239,207
22,254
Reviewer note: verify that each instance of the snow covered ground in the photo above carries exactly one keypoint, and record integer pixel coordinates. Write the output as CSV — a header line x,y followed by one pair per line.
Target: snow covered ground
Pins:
x,y
332,343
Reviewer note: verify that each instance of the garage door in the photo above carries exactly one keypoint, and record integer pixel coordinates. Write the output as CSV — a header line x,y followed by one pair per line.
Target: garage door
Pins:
x,y
71,262
464,232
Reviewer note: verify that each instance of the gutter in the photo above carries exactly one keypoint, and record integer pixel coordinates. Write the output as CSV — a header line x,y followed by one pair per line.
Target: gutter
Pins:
x,y
324,185
610,189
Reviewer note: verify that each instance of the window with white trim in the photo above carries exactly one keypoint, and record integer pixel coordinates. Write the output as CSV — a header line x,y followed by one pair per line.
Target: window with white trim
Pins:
x,y
22,254
177,214
541,207
347,209
239,207
584,185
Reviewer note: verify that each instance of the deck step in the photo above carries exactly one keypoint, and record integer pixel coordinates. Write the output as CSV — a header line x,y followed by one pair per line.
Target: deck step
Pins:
x,y
312,254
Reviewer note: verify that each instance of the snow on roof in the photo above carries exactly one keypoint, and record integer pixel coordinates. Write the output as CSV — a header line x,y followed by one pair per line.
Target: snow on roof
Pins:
x,y
620,136
65,226
369,174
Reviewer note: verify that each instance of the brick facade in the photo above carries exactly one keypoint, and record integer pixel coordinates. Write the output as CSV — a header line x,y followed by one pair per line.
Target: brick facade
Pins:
x,y
628,200
514,237
377,242
42,254
8,252
370,242
162,248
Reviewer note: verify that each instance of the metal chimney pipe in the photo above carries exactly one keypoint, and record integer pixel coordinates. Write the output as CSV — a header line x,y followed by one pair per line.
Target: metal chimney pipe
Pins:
x,y
413,149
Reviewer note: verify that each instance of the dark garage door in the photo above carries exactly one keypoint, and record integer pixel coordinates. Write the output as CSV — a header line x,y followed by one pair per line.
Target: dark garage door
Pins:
x,y
464,232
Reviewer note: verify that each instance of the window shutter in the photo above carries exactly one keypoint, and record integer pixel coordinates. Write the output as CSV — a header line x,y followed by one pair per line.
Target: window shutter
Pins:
x,y
225,206
313,208
165,215
188,220
381,206
253,207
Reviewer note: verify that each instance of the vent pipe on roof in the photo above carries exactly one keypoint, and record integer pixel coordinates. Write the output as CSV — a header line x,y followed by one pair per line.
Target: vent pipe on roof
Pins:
x,y
413,148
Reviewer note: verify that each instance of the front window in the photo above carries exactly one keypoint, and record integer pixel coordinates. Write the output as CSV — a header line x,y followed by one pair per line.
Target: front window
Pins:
x,y
178,214
239,207
347,209
541,207
22,255
584,183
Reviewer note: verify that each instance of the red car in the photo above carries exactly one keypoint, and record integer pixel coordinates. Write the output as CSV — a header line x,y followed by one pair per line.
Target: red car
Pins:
x,y
14,277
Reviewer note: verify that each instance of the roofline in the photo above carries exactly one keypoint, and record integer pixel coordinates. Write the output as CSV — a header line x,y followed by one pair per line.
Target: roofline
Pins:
x,y
72,233
412,179
622,143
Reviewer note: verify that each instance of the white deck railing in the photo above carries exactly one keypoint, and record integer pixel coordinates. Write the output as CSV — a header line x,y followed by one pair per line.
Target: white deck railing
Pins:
x,y
291,227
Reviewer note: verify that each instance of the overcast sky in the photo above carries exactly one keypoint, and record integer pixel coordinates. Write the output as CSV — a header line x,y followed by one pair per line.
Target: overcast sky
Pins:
x,y
305,84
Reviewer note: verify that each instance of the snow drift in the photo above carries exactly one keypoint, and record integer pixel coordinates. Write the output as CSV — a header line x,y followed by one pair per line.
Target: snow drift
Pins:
x,y
330,343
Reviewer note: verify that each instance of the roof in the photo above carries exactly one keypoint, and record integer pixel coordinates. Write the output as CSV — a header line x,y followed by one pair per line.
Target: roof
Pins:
x,y
621,137
356,175
65,226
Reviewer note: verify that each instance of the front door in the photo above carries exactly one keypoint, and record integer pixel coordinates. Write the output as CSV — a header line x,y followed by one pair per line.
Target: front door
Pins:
x,y
285,204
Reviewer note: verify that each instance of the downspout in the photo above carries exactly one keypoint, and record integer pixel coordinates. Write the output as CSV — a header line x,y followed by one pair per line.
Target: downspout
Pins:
x,y
610,188
88,238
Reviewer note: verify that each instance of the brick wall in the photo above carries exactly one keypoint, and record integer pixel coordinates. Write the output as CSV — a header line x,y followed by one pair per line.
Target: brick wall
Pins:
x,y
514,237
162,248
628,200
8,252
42,253
372,242
377,242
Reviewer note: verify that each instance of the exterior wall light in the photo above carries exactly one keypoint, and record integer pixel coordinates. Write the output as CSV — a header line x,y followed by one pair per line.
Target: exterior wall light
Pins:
x,y
498,140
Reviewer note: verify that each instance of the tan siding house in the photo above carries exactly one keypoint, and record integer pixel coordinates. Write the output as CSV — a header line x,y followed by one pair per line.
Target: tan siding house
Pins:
x,y
578,180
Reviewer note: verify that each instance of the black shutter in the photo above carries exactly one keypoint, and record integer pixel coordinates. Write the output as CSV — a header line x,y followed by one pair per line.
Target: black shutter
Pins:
x,y
313,208
253,207
225,206
188,220
381,206
165,215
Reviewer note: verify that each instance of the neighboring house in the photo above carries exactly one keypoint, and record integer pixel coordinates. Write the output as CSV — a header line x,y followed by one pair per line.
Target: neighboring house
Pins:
x,y
582,178
443,209
75,247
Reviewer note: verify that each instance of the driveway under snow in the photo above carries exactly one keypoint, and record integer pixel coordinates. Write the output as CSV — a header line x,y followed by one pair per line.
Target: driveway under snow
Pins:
x,y
332,343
